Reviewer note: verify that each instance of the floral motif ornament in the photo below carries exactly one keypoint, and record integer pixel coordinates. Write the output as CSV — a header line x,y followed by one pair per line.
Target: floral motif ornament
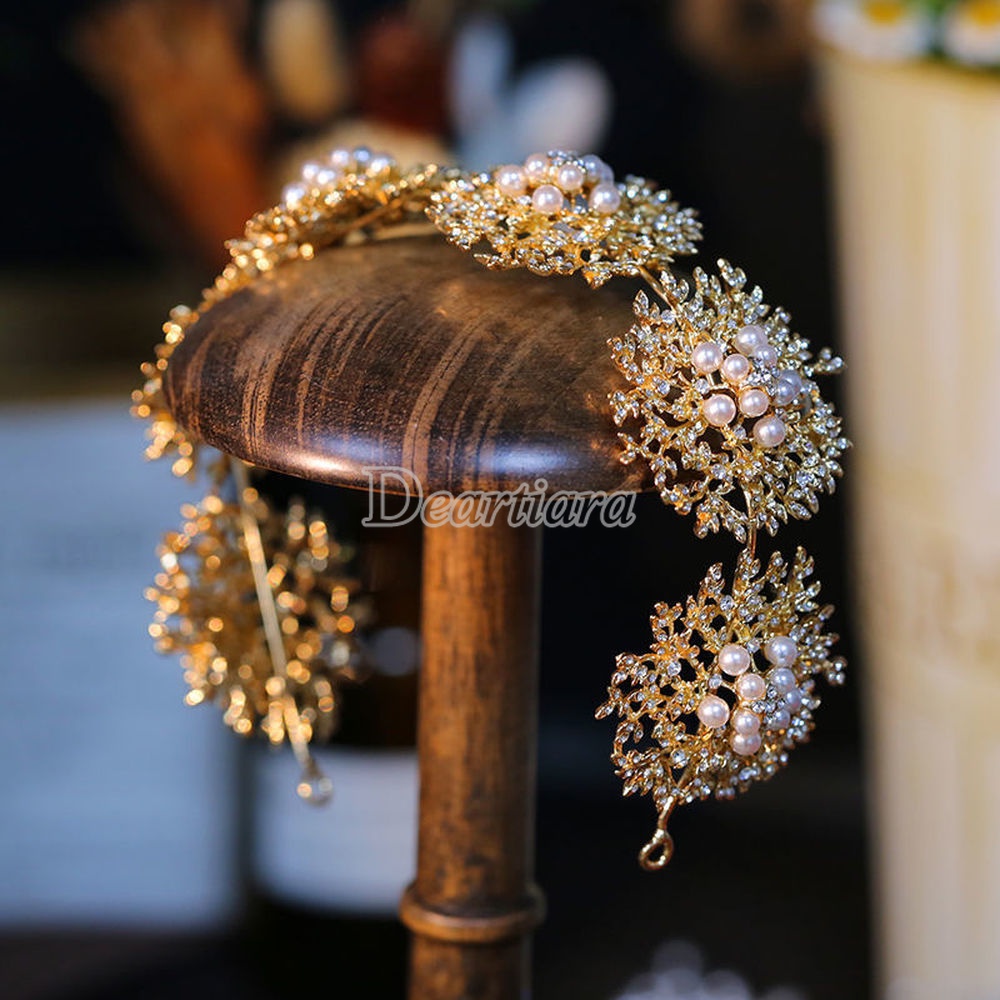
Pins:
x,y
730,420
256,602
732,424
733,427
560,213
726,690
348,194
208,611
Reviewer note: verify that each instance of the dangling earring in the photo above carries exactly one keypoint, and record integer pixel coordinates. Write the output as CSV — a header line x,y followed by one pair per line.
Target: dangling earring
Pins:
x,y
734,430
259,604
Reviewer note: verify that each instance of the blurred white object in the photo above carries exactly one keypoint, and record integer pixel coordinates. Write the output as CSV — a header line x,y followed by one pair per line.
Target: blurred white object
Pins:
x,y
408,148
558,104
480,63
678,973
357,856
883,30
561,104
916,153
117,798
971,33
304,59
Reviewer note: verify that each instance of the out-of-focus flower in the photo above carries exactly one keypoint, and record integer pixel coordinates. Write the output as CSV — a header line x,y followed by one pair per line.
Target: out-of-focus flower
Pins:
x,y
885,30
971,33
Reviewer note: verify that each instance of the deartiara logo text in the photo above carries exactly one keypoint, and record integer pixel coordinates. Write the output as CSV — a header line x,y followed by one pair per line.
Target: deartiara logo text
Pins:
x,y
396,497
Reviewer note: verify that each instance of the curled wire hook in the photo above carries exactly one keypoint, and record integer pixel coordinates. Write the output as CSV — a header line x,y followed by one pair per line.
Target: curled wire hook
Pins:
x,y
657,852
660,849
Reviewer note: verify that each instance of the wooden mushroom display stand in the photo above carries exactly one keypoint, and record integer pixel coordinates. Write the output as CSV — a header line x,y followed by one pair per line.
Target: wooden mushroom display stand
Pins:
x,y
407,353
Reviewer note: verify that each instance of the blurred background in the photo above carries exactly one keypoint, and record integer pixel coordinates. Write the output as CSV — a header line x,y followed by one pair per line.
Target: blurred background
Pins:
x,y
144,850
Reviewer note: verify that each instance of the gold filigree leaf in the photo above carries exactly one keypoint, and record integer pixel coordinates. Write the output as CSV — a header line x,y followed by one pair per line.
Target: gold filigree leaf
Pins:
x,y
563,213
727,688
729,416
207,612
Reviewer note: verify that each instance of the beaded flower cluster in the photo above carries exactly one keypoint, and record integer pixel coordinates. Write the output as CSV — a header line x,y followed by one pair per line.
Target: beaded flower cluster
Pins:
x,y
721,402
727,688
256,601
725,392
332,202
561,213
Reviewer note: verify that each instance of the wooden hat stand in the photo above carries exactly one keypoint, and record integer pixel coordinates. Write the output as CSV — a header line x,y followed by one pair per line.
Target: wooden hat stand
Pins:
x,y
408,353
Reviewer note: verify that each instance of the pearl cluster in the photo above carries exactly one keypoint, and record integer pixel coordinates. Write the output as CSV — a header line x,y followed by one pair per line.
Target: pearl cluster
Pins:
x,y
751,688
325,173
754,357
555,181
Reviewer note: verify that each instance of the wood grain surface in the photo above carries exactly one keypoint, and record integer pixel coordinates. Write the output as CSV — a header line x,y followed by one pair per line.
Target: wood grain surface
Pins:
x,y
407,352
474,903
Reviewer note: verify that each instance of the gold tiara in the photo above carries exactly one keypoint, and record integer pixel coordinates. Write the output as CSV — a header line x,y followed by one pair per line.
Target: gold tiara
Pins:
x,y
719,397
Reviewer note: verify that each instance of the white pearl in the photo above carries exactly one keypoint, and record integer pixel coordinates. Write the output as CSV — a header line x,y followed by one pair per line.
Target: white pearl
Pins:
x,y
751,338
597,169
779,720
766,355
536,167
788,387
547,199
362,157
292,195
605,199
511,180
751,687
310,169
570,177
745,721
706,357
734,660
327,176
754,402
380,162
781,650
785,393
793,699
782,679
745,744
341,158
735,368
769,431
713,711
719,410
791,376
